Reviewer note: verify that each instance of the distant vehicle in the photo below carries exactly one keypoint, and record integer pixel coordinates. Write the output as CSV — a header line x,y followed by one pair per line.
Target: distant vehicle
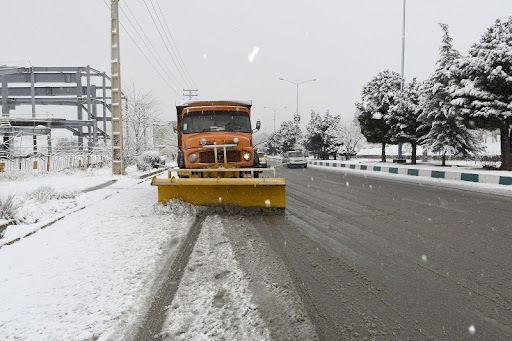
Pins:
x,y
262,159
295,158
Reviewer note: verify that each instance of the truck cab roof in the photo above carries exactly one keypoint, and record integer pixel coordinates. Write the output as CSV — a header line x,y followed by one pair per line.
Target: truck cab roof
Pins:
x,y
244,103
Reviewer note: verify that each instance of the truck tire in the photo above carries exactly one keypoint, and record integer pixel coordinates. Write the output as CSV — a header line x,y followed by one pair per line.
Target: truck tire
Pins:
x,y
256,160
181,160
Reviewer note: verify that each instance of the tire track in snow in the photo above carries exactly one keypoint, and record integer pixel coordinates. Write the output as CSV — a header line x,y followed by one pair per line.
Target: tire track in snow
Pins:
x,y
155,318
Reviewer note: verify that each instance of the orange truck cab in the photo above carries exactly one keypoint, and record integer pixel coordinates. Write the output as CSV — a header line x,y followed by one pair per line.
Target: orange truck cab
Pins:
x,y
215,134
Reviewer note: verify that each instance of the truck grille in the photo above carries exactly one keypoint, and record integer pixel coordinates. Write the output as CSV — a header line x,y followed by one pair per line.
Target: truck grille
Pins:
x,y
209,156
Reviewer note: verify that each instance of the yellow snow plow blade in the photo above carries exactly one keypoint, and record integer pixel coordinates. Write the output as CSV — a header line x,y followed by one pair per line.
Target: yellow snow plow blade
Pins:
x,y
245,192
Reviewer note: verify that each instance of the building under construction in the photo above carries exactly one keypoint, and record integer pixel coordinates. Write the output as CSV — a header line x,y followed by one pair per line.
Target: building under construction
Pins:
x,y
75,99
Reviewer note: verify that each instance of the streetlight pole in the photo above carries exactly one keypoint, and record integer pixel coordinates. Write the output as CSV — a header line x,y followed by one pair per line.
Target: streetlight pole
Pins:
x,y
297,83
274,110
402,80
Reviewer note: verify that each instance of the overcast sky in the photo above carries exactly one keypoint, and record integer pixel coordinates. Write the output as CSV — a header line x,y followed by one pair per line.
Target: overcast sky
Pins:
x,y
237,49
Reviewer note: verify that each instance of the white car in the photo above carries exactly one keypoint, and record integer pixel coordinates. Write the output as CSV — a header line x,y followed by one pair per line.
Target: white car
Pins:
x,y
295,158
263,160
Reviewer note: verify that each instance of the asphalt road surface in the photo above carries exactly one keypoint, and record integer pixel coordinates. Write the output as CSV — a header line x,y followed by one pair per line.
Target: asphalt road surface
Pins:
x,y
374,258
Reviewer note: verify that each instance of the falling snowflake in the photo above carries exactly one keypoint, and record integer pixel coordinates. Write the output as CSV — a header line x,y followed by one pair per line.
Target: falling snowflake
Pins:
x,y
346,183
252,55
267,203
472,329
424,258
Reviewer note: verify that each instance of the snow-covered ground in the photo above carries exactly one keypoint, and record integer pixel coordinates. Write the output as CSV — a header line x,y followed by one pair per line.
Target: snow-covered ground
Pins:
x,y
94,273
490,148
90,274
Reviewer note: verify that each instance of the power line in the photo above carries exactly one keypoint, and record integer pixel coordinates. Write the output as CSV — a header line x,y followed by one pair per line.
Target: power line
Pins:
x,y
145,56
173,54
163,39
170,73
175,46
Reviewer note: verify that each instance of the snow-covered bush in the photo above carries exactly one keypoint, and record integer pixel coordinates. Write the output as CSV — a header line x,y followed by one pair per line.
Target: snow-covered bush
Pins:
x,y
43,194
9,206
490,161
149,160
46,193
17,175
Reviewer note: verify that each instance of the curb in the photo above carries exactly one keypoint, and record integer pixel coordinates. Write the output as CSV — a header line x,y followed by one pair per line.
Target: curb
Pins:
x,y
449,175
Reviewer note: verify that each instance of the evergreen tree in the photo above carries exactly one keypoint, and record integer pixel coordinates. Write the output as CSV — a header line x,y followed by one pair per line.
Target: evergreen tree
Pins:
x,y
446,133
284,139
272,144
376,99
321,137
331,141
482,85
313,139
403,118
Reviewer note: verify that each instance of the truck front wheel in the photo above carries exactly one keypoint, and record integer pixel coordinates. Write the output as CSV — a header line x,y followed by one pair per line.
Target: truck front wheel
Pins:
x,y
181,160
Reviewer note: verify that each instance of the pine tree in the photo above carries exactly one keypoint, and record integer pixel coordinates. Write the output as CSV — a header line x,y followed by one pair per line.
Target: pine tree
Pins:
x,y
376,99
482,85
321,137
446,131
313,139
403,118
331,141
284,139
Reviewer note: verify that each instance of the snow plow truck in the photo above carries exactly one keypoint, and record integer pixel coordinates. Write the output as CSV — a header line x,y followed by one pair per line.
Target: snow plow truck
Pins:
x,y
217,162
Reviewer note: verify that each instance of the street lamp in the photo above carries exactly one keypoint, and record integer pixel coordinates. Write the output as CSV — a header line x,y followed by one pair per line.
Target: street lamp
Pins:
x,y
275,109
402,80
297,83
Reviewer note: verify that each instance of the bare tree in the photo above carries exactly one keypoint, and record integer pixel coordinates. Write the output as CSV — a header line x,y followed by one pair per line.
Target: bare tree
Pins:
x,y
139,118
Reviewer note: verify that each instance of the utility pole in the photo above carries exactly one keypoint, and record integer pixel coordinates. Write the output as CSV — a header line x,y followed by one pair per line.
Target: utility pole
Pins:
x,y
117,123
191,93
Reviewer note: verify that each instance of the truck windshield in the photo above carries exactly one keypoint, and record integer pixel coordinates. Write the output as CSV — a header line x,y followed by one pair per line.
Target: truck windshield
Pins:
x,y
198,121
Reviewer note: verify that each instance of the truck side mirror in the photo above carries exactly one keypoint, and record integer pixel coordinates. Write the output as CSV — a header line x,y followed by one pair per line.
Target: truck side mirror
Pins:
x,y
258,125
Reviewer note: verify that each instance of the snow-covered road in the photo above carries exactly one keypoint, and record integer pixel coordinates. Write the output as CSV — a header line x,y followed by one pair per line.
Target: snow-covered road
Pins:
x,y
94,274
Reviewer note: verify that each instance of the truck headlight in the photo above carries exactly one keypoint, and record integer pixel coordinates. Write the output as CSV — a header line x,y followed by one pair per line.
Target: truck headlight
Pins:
x,y
247,156
192,157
